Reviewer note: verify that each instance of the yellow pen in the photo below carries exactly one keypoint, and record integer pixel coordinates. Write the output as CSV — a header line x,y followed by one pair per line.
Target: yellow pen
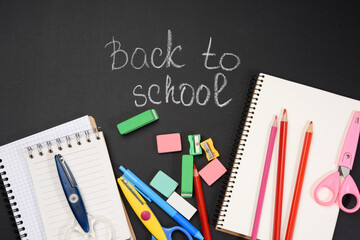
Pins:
x,y
142,210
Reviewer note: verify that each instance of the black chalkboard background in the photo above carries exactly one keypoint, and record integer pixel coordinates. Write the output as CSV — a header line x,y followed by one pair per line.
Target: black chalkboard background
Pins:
x,y
54,67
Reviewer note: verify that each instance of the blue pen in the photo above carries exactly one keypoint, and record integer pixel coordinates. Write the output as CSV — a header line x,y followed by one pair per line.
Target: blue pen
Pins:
x,y
151,195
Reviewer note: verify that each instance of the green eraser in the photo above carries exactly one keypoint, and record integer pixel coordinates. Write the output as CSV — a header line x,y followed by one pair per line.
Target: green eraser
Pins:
x,y
187,176
194,141
138,121
164,184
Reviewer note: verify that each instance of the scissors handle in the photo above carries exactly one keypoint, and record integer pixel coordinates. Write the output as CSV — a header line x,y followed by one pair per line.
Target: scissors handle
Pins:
x,y
331,182
169,231
349,187
75,228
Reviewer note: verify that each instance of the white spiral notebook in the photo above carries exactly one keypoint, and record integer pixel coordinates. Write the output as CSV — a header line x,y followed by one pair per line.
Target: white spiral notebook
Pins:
x,y
330,114
86,155
27,195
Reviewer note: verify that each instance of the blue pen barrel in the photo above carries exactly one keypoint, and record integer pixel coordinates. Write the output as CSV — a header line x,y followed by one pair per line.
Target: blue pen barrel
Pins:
x,y
185,224
144,189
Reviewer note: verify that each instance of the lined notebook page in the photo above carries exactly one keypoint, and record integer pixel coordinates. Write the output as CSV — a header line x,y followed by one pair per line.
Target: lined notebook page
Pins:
x,y
90,164
331,115
14,160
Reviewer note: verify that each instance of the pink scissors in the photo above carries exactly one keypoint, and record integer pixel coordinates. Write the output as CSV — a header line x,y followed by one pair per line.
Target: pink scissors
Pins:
x,y
346,161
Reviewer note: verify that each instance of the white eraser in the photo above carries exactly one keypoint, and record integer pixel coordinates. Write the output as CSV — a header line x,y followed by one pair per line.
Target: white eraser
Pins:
x,y
181,205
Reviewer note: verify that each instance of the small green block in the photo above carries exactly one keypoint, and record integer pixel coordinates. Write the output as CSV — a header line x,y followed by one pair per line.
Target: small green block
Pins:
x,y
164,184
187,176
137,121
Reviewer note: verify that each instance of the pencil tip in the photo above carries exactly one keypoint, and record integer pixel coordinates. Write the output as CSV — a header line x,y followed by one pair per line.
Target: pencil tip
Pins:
x,y
284,116
195,171
310,127
275,121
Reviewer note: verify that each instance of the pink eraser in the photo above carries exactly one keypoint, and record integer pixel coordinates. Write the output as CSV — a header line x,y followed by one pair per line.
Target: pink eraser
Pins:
x,y
168,143
212,171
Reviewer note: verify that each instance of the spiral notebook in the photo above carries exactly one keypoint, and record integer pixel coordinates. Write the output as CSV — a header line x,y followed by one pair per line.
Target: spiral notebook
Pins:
x,y
23,192
86,155
270,96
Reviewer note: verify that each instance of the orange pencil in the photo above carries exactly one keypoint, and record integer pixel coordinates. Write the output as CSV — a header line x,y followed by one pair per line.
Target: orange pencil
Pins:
x,y
280,177
299,182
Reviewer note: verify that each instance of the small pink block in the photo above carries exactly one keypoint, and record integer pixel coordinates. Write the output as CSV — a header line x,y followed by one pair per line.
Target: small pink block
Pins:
x,y
168,143
212,171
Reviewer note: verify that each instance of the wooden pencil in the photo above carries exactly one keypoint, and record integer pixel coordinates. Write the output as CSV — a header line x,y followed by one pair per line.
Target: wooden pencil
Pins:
x,y
201,205
264,179
280,177
299,182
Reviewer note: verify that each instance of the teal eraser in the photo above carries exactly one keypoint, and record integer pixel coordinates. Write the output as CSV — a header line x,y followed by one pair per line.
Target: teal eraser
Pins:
x,y
164,184
187,171
137,121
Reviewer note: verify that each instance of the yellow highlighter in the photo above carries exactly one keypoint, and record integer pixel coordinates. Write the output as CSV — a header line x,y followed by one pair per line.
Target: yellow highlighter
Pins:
x,y
141,209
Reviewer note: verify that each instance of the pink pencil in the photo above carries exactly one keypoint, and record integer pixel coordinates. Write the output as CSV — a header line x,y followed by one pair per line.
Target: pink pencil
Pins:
x,y
264,180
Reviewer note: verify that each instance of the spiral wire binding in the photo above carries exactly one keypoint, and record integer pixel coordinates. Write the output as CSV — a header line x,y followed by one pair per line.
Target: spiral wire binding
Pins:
x,y
5,186
237,150
62,142
9,199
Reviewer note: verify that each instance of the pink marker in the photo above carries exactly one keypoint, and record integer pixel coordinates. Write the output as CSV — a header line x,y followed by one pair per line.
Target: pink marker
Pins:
x,y
264,179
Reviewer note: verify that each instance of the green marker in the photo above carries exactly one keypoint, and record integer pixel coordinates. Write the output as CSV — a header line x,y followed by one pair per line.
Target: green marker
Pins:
x,y
137,121
194,141
187,176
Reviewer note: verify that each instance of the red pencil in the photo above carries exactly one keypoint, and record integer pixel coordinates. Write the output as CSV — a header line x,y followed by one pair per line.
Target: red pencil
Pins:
x,y
280,177
201,205
299,182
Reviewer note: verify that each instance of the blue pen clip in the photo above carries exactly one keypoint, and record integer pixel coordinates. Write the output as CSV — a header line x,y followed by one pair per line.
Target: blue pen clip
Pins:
x,y
72,193
137,189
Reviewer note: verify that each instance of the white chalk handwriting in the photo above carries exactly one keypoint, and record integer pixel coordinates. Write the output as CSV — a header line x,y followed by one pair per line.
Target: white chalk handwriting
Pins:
x,y
184,94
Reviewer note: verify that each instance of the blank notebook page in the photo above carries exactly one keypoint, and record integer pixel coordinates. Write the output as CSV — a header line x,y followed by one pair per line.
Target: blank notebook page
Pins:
x,y
17,171
90,164
331,115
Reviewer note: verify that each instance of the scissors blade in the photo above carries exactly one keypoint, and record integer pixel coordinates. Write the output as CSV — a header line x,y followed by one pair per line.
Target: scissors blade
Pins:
x,y
72,193
132,191
66,170
208,150
344,171
348,151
